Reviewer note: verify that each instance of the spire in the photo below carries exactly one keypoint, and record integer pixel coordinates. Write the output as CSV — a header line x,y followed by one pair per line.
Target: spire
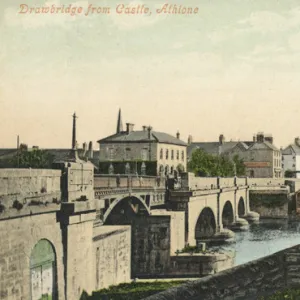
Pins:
x,y
119,124
74,132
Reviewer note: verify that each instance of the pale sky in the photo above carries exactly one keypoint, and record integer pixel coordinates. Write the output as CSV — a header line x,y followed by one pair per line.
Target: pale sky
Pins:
x,y
233,68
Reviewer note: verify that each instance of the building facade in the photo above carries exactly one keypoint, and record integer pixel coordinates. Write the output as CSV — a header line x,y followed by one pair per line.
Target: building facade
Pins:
x,y
145,152
261,157
291,159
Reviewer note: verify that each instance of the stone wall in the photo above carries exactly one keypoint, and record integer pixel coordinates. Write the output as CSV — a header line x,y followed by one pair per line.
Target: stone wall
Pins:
x,y
177,228
29,187
151,246
245,282
270,204
18,236
112,248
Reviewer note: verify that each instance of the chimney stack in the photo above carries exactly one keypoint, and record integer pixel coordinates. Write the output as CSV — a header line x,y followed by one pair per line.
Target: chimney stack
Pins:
x,y
149,132
221,139
91,152
178,135
144,128
269,138
84,147
254,138
129,127
190,140
260,137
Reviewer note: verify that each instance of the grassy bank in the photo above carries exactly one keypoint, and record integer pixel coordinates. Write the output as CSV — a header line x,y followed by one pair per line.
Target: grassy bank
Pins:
x,y
290,294
131,291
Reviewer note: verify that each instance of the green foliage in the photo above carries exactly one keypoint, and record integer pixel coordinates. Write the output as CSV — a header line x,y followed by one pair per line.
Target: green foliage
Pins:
x,y
133,291
205,164
289,174
37,159
180,168
289,294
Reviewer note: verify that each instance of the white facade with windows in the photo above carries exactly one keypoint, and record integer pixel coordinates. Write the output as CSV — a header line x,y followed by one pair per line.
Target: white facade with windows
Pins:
x,y
291,158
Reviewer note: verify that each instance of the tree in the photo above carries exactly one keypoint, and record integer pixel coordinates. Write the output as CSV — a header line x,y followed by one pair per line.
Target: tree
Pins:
x,y
38,159
289,174
204,164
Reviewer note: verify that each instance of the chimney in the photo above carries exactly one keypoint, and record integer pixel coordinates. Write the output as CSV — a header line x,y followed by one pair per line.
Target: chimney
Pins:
x,y
190,140
74,146
221,139
144,128
90,154
119,122
178,135
269,139
149,132
129,127
297,141
260,137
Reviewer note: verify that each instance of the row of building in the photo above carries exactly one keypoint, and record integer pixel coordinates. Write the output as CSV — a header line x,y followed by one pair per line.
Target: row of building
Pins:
x,y
150,152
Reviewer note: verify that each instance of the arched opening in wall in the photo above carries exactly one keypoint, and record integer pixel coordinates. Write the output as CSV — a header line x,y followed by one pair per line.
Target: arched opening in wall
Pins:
x,y
241,207
126,211
206,225
43,274
227,214
161,170
166,170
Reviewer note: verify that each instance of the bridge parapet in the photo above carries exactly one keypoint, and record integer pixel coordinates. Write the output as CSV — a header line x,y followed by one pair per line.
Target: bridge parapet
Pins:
x,y
104,181
28,188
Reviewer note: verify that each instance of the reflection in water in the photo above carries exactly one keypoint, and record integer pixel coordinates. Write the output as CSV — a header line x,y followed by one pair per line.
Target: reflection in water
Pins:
x,y
265,238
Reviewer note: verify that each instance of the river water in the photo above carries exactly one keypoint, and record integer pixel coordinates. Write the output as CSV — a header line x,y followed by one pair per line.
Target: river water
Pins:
x,y
265,238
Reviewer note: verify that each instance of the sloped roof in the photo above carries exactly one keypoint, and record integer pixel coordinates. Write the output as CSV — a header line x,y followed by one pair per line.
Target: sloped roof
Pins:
x,y
142,136
263,145
291,149
211,147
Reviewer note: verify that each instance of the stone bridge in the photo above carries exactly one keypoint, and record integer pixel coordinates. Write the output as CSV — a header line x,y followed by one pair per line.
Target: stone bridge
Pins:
x,y
112,192
56,238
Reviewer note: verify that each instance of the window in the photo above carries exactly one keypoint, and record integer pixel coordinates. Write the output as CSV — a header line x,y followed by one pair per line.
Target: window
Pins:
x,y
111,153
161,155
177,155
167,154
128,154
182,155
144,154
172,154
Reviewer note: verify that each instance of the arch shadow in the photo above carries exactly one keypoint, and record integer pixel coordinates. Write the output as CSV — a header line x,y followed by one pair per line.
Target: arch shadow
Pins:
x,y
206,224
124,210
227,214
241,207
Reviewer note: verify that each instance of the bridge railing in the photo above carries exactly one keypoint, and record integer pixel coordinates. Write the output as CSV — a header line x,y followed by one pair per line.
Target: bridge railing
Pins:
x,y
226,182
126,181
266,181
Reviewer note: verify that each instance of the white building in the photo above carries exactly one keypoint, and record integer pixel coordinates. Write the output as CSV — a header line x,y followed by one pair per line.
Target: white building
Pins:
x,y
291,158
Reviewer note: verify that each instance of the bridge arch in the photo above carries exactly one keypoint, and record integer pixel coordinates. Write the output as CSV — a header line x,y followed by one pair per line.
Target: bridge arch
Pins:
x,y
43,271
206,224
124,209
227,214
241,207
